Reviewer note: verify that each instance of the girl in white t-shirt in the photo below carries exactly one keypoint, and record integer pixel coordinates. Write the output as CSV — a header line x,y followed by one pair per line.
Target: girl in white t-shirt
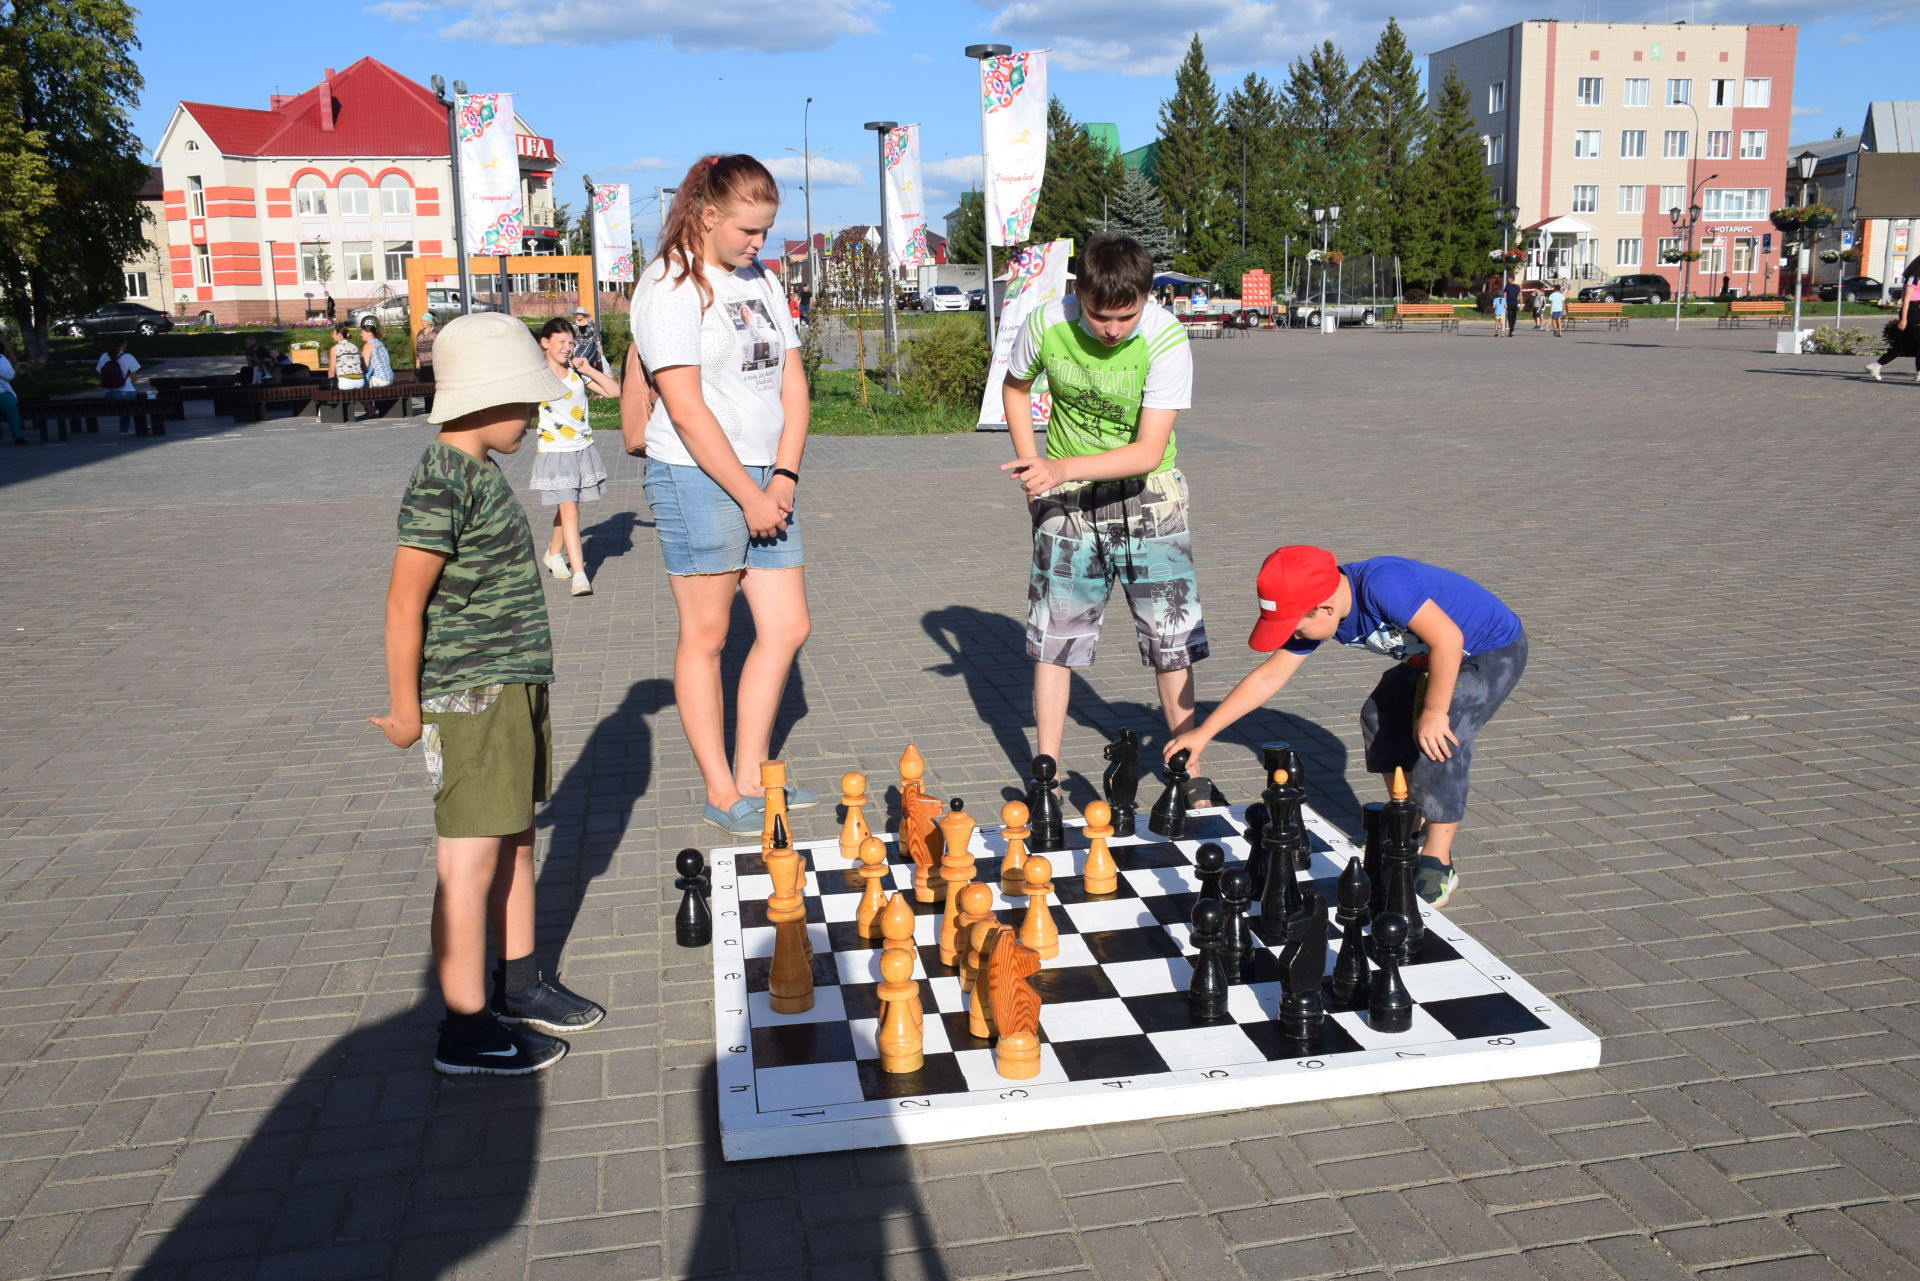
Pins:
x,y
567,469
724,442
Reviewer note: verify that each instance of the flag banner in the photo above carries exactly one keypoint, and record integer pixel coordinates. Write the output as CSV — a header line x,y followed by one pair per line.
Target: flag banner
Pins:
x,y
612,233
1013,98
489,163
1038,276
906,206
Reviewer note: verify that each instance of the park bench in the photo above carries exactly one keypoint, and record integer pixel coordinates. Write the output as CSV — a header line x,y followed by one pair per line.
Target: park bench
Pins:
x,y
1612,312
1774,313
250,404
1423,313
83,414
392,401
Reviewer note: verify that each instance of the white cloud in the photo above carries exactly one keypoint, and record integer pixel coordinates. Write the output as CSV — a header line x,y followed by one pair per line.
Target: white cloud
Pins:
x,y
639,164
770,26
1847,37
959,169
1799,111
826,173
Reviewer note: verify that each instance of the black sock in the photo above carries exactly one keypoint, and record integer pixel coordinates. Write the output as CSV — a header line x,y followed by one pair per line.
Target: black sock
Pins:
x,y
519,975
471,1029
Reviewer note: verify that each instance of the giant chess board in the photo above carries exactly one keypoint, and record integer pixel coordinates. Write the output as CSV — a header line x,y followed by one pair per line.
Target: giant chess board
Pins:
x,y
1117,1041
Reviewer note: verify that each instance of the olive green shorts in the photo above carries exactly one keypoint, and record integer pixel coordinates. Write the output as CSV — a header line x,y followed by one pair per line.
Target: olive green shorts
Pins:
x,y
490,753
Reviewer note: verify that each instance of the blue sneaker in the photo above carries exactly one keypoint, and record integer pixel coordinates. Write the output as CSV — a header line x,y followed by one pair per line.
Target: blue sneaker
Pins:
x,y
798,798
743,818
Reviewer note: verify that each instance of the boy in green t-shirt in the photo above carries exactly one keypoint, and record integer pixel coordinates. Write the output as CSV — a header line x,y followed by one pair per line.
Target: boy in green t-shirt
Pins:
x,y
1107,503
469,659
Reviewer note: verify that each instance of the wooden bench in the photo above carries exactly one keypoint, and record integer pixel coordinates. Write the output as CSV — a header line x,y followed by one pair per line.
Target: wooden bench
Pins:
x,y
250,404
1613,313
83,414
1423,313
1774,313
392,401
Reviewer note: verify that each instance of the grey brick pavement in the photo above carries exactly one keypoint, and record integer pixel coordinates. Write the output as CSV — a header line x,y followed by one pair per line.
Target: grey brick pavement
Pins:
x,y
1693,825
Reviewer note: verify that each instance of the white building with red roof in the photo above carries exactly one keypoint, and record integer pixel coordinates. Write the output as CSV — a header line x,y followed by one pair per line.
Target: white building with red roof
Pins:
x,y
327,191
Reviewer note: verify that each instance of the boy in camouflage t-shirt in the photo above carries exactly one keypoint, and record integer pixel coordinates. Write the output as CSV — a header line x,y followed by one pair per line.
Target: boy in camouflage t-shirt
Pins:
x,y
469,659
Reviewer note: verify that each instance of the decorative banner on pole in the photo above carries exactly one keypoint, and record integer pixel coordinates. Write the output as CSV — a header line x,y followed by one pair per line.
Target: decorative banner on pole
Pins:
x,y
1013,97
906,206
489,161
1037,276
612,233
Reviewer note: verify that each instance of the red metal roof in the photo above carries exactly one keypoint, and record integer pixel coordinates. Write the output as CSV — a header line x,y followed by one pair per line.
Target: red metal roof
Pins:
x,y
375,111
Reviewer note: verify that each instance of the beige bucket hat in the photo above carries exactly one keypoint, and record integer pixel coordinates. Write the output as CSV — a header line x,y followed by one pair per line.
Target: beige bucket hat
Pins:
x,y
488,359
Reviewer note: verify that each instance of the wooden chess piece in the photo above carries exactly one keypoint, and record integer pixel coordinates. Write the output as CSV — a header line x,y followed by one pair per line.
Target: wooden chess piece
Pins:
x,y
1169,816
956,872
897,923
790,981
773,779
853,829
1100,875
1043,807
693,925
900,1035
873,897
975,905
1013,827
1014,1004
918,811
1037,929
1121,782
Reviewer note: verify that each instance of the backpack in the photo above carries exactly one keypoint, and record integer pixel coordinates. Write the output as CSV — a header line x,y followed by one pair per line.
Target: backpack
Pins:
x,y
113,374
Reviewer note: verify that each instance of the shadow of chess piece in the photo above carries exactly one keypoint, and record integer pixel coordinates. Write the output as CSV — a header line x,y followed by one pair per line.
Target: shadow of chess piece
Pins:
x,y
1121,783
1043,808
1169,817
693,924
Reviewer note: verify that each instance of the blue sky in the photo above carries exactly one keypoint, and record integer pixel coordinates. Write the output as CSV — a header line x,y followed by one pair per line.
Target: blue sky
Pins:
x,y
634,90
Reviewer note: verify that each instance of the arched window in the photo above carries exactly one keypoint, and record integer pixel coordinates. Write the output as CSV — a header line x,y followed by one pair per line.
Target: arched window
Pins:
x,y
353,196
396,195
310,196
192,145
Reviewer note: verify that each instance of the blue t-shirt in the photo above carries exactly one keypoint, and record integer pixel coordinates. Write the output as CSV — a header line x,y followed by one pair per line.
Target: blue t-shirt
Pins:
x,y
1389,590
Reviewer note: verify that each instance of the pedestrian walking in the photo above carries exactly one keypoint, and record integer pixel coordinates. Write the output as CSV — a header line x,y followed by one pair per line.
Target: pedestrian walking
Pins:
x,y
9,403
1557,310
1903,331
423,341
587,343
330,311
1512,292
568,470
1499,315
1539,308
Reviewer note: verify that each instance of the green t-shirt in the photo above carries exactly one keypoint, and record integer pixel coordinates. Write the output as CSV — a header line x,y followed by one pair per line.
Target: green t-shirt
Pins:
x,y
1098,391
487,617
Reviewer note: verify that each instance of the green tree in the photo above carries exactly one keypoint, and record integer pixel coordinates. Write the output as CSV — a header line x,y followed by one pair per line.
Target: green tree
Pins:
x,y
1323,155
1452,227
1137,211
1393,115
65,108
1080,181
967,236
1189,165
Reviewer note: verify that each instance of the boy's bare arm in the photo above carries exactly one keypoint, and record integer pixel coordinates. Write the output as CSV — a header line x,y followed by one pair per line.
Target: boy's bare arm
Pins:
x,y
1446,647
1253,691
1016,397
415,571
1137,458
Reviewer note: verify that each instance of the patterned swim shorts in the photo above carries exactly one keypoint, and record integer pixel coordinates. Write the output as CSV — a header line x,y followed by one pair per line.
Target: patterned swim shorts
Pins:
x,y
1089,535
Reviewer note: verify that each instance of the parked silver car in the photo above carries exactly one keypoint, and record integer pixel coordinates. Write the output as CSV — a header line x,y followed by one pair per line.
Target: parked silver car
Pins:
x,y
1345,310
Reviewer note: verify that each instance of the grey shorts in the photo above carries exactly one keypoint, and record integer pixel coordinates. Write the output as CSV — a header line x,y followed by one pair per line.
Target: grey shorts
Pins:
x,y
1439,788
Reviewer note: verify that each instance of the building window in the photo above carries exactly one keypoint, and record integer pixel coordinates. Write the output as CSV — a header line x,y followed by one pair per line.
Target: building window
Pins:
x,y
1753,144
396,195
196,197
312,257
310,196
1743,255
1719,144
1759,91
1668,245
192,145
1734,202
1633,199
1679,93
1589,91
398,251
1713,256
1719,93
1673,145
1496,145
1499,194
1586,198
356,261
202,265
1626,251
136,284
1633,91
1633,144
353,196
1586,144
1497,96
1673,197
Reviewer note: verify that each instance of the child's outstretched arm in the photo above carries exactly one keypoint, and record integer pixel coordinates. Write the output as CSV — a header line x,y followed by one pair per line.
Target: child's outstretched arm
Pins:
x,y
1254,689
1432,728
1136,458
415,571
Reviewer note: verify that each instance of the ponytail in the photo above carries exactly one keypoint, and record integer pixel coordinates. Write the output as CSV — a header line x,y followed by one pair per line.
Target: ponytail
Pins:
x,y
724,182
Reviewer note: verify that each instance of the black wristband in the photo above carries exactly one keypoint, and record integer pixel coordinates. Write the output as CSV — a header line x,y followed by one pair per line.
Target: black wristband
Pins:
x,y
793,476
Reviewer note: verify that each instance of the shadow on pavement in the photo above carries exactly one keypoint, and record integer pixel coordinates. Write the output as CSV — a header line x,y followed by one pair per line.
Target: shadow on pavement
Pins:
x,y
32,461
610,539
1852,373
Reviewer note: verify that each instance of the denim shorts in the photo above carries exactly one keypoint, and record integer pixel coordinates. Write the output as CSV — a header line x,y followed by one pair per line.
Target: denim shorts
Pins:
x,y
703,531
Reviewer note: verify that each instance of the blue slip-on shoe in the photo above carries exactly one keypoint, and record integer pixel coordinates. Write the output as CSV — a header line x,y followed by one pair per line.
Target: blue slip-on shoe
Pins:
x,y
742,818
799,798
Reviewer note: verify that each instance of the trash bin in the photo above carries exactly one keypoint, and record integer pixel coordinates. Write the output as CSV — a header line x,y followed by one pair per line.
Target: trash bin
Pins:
x,y
1792,342
1329,324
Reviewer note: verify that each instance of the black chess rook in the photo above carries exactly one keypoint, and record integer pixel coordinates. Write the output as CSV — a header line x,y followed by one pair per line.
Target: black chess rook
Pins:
x,y
1169,817
1121,782
693,923
1043,808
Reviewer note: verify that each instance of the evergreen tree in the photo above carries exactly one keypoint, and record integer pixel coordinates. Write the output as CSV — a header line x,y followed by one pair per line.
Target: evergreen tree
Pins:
x,y
1323,155
1137,211
1080,178
967,233
71,82
1452,226
1393,113
1189,167
1253,122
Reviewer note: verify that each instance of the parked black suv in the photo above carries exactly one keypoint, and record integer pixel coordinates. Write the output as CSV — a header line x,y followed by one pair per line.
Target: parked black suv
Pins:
x,y
115,318
1629,289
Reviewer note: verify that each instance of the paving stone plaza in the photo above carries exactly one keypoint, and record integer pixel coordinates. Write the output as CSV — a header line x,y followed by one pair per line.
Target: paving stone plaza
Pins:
x,y
1693,826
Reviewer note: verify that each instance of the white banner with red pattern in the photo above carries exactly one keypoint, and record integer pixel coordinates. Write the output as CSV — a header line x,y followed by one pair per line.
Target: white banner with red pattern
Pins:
x,y
1037,276
612,233
1013,102
489,160
902,199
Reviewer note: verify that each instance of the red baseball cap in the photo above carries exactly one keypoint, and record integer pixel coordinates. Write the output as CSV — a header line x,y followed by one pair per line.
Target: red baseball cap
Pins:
x,y
1291,581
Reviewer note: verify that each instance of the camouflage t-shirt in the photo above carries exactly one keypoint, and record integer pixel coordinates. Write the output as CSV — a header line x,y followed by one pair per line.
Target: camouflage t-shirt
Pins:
x,y
487,617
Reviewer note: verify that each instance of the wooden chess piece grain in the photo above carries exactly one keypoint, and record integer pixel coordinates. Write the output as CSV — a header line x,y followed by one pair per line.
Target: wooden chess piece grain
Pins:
x,y
773,779
918,811
1100,875
956,873
1014,1004
901,1032
873,897
790,981
853,829
976,918
1013,827
897,923
1037,929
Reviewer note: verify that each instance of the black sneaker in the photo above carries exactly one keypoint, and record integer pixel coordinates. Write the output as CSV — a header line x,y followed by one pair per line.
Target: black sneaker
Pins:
x,y
510,1051
549,1006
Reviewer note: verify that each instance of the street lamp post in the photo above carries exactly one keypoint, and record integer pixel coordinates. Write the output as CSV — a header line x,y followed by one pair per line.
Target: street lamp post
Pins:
x,y
459,195
1840,280
881,128
806,180
1686,238
980,53
1328,219
1804,165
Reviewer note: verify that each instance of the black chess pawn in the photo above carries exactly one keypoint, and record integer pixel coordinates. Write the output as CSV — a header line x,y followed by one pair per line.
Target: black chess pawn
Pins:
x,y
1389,1007
1207,991
1236,952
1121,783
1169,817
1348,986
1209,861
1043,808
1303,966
693,924
1256,826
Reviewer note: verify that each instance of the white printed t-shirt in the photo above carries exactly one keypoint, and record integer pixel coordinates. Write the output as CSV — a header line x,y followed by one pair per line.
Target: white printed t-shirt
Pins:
x,y
740,344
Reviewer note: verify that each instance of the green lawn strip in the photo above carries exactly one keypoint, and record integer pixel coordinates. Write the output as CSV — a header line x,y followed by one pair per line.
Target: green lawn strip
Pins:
x,y
837,411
